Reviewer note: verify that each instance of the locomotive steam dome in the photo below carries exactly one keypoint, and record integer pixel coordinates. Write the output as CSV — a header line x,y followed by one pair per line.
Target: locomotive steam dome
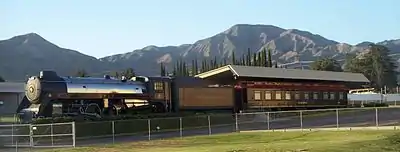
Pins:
x,y
33,90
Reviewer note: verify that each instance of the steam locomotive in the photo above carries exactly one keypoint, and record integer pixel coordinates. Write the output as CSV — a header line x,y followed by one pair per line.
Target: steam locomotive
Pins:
x,y
79,95
98,96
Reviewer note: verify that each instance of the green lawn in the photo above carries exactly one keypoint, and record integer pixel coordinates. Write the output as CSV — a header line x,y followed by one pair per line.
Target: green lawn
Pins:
x,y
318,141
8,119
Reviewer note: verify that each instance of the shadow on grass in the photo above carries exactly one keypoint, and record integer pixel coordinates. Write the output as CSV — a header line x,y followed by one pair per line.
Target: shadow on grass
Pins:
x,y
387,143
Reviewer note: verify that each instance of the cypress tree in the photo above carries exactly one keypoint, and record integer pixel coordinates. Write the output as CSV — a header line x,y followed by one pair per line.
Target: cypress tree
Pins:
x,y
184,68
174,71
203,65
269,58
182,72
162,69
178,69
196,71
210,64
248,63
243,62
215,62
233,58
193,69
224,61
254,59
264,58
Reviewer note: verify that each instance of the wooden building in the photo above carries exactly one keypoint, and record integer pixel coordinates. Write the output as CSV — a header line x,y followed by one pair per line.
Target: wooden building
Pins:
x,y
264,87
11,94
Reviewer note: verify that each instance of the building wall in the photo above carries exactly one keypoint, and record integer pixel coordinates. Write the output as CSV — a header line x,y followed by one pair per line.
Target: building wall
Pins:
x,y
10,102
206,98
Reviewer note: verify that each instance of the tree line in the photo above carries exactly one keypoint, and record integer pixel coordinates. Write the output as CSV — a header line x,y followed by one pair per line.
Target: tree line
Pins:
x,y
181,68
127,73
376,65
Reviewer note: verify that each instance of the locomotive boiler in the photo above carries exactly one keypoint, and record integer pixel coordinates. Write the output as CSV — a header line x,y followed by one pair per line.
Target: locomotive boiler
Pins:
x,y
80,94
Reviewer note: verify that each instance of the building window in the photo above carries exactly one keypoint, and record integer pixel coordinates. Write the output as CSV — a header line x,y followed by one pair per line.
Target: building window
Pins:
x,y
315,96
341,96
287,95
257,95
332,96
278,95
297,95
306,96
326,96
268,95
158,86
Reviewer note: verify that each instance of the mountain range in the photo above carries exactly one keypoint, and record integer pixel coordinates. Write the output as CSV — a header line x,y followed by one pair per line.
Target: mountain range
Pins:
x,y
25,55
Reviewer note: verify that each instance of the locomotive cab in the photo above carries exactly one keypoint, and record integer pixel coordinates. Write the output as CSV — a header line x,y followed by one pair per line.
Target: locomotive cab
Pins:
x,y
159,91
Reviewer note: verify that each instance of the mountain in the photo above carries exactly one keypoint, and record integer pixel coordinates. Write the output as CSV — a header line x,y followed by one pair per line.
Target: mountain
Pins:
x,y
287,46
28,54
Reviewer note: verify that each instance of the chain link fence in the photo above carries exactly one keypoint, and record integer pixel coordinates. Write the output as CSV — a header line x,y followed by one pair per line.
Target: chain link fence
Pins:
x,y
23,136
349,118
105,132
156,128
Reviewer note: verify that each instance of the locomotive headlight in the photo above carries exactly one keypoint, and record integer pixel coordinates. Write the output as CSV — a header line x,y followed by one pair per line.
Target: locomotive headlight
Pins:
x,y
31,89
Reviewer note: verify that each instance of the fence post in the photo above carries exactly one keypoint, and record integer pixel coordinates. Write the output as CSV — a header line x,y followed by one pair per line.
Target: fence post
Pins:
x,y
113,130
268,120
16,144
12,134
148,123
31,135
209,125
376,117
236,122
180,127
51,133
337,119
73,134
301,120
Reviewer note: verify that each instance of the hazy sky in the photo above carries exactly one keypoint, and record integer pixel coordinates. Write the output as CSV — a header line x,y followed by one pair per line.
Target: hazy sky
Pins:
x,y
101,28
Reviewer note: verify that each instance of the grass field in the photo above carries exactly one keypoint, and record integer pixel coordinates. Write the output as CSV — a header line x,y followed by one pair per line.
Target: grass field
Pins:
x,y
318,141
8,119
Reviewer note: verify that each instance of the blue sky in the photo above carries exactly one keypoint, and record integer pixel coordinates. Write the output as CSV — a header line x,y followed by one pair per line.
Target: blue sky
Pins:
x,y
100,27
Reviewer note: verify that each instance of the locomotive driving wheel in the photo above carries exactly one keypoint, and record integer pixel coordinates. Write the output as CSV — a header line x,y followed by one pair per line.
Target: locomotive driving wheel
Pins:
x,y
93,109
